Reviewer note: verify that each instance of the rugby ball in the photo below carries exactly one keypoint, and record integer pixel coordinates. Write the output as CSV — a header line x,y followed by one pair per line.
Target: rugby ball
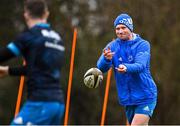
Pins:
x,y
93,78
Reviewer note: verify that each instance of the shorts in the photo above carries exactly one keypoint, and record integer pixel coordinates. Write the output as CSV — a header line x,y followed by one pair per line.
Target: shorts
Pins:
x,y
40,113
146,109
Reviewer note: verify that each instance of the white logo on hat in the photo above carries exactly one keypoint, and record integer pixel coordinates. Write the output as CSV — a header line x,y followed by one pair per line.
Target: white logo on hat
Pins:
x,y
127,21
130,21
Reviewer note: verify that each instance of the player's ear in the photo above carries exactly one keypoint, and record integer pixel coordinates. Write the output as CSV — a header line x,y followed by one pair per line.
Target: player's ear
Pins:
x,y
26,15
46,14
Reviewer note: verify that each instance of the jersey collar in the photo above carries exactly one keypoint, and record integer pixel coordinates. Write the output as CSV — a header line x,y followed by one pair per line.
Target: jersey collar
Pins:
x,y
45,25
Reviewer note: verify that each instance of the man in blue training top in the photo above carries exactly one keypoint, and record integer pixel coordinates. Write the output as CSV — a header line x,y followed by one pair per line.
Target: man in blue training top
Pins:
x,y
43,51
130,56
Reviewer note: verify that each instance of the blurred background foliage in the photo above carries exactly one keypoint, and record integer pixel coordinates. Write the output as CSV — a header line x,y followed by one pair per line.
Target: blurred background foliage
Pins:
x,y
158,21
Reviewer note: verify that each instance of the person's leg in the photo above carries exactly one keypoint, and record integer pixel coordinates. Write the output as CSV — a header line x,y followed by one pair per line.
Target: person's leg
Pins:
x,y
143,113
140,119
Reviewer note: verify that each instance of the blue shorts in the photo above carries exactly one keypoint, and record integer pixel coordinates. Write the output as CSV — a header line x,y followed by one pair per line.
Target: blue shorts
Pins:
x,y
146,109
40,113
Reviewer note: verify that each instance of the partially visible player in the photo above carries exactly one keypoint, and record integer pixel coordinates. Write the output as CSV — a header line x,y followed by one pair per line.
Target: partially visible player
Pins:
x,y
130,56
43,50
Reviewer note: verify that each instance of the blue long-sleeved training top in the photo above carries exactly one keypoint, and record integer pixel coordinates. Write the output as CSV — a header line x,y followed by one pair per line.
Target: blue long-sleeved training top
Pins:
x,y
136,85
43,50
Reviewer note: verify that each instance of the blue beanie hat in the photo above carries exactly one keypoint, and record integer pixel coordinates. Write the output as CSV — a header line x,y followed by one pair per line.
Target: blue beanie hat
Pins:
x,y
124,19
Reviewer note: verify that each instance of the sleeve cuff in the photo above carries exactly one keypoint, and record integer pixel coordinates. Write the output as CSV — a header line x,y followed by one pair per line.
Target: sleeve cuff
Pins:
x,y
14,48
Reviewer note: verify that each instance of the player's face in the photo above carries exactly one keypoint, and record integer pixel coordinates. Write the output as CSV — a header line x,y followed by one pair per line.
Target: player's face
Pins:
x,y
123,32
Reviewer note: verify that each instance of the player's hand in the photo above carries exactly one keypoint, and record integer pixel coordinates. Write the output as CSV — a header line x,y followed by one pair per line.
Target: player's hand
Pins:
x,y
4,70
121,68
108,54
